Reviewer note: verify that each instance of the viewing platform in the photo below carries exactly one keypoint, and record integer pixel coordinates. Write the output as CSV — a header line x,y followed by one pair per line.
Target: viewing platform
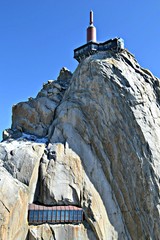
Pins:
x,y
91,48
38,214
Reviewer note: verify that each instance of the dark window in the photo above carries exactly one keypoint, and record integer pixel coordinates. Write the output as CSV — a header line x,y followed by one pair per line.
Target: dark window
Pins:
x,y
58,215
36,216
40,213
49,215
79,215
66,215
54,216
31,216
45,216
62,215
75,218
71,215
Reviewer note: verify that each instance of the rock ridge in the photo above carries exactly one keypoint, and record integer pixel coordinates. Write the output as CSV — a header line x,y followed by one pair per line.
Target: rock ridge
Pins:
x,y
93,141
36,115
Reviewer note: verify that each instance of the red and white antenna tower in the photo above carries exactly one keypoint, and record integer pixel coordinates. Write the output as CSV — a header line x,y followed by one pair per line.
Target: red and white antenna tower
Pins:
x,y
91,30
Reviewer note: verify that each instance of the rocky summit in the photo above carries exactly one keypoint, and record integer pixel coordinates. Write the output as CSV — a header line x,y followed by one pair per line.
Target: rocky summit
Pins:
x,y
90,140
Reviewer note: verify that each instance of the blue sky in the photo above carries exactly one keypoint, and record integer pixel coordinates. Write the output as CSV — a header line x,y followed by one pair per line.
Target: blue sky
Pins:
x,y
37,39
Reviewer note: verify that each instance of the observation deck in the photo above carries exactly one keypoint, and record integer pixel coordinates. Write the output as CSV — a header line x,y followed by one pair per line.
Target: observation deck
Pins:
x,y
90,48
38,214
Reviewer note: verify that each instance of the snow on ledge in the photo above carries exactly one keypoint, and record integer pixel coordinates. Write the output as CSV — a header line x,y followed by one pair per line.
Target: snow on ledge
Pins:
x,y
33,138
23,140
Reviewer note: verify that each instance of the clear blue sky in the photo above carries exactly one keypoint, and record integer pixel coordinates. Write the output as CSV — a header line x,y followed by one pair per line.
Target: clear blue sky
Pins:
x,y
37,39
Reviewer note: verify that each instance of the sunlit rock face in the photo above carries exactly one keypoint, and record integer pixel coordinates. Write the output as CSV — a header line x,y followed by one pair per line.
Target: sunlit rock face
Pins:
x,y
65,232
99,151
13,207
63,181
36,115
112,110
19,164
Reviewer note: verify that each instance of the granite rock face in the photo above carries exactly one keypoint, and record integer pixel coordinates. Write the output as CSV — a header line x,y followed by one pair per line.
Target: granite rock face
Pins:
x,y
19,164
36,115
112,110
13,207
63,181
101,153
65,232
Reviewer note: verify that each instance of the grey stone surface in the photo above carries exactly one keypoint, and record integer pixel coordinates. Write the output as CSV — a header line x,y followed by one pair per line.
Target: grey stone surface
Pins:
x,y
36,115
102,153
112,110
19,165
13,207
63,181
19,158
55,232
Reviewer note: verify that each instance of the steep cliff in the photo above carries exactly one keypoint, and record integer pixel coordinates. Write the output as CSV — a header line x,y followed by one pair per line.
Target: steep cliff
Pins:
x,y
91,140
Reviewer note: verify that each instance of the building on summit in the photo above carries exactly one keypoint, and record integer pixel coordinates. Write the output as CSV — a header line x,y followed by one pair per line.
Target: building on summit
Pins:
x,y
92,46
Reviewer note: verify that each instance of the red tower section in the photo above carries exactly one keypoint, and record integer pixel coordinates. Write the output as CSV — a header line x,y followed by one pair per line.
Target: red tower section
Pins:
x,y
91,30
